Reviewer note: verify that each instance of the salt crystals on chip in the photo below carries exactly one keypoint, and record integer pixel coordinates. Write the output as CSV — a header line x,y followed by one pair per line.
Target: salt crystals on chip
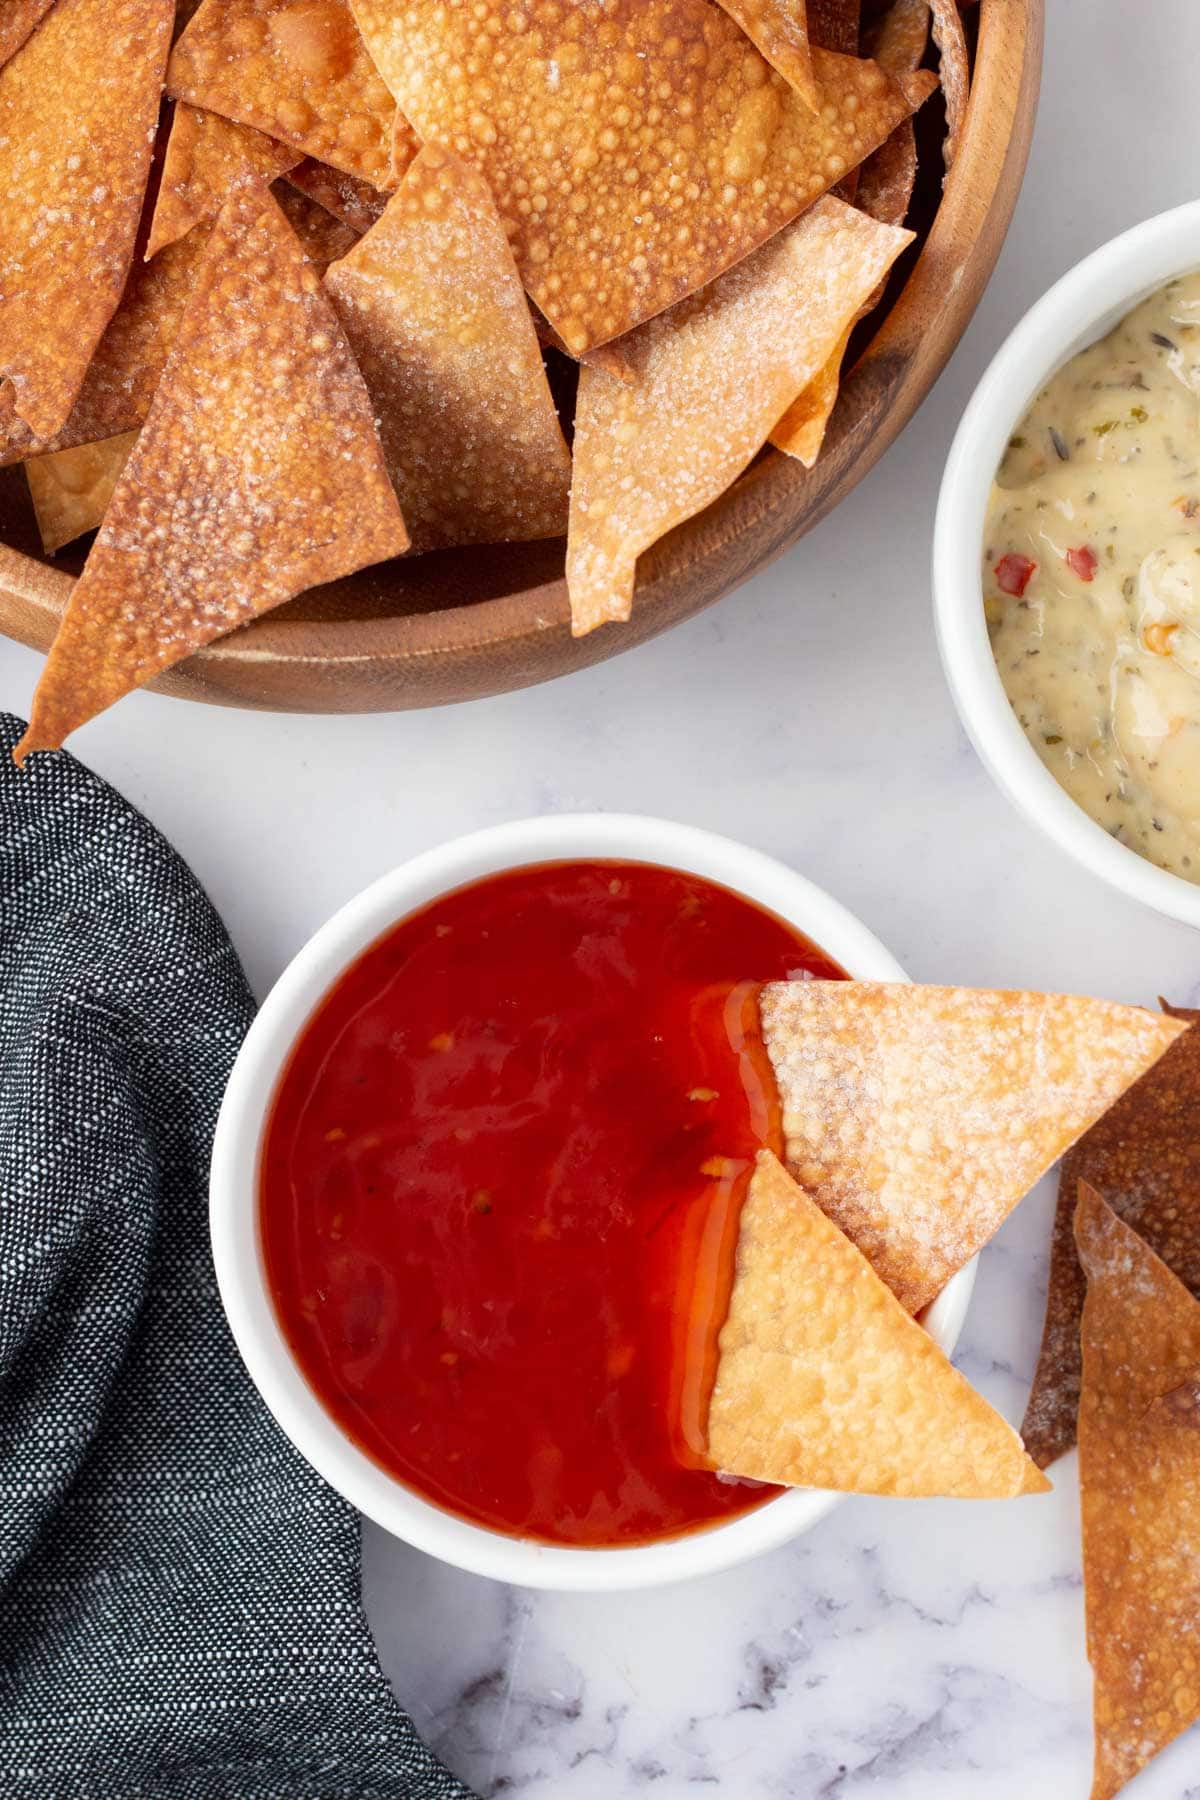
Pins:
x,y
257,474
706,382
823,1380
206,155
918,1117
78,108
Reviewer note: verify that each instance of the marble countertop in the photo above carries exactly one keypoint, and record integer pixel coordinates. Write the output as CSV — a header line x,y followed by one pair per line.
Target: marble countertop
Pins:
x,y
910,1650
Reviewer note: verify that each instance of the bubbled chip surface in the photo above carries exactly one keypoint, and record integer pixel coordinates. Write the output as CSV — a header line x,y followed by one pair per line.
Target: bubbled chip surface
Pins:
x,y
78,108
17,20
123,374
323,237
779,29
919,1116
701,388
434,309
823,1380
258,473
296,70
71,489
206,154
635,150
356,203
1143,1158
1139,1480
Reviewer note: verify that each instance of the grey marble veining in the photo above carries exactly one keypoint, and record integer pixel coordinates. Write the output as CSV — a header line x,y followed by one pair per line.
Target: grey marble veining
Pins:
x,y
900,1651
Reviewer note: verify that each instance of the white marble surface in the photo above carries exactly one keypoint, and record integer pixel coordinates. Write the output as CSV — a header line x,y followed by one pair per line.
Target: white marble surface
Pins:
x,y
914,1651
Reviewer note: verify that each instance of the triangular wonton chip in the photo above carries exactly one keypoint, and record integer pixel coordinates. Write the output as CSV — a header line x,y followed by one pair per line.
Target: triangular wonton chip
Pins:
x,y
698,152
1139,1483
206,156
296,70
78,107
258,473
823,1380
356,203
17,20
71,489
919,1116
1143,1158
706,384
779,30
434,309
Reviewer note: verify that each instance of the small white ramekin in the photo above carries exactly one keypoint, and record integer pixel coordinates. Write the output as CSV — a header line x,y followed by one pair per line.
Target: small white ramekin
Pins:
x,y
1081,307
234,1184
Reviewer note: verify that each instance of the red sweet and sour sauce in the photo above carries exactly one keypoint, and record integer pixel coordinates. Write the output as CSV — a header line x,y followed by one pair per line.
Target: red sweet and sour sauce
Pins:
x,y
499,1193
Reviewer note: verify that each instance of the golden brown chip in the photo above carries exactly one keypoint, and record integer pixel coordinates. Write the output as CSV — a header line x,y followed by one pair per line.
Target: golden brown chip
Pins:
x,y
258,473
433,307
1180,1405
919,1116
1139,1482
897,40
699,152
206,155
779,29
801,431
294,69
1143,1158
708,382
17,20
71,489
323,238
129,359
356,203
833,25
955,66
78,107
824,1381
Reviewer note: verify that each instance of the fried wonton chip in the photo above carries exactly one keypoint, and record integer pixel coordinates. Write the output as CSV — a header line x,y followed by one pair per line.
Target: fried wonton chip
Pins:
x,y
206,156
708,381
955,66
323,238
824,1381
1180,1405
833,25
697,154
78,107
129,359
71,489
356,203
1139,1482
883,191
1143,1158
779,29
258,473
898,38
919,1116
17,20
296,70
434,309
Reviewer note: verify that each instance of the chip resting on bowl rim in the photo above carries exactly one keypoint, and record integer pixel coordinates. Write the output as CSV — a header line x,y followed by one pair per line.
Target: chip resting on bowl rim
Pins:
x,y
258,473
918,1117
1139,1481
616,212
823,1380
705,384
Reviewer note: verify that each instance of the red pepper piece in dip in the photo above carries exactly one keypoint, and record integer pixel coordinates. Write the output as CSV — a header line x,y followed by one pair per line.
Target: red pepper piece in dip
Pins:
x,y
1082,561
1014,573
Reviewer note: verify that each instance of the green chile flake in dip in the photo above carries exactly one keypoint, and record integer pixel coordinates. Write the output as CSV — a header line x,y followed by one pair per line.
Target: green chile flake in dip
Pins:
x,y
1091,578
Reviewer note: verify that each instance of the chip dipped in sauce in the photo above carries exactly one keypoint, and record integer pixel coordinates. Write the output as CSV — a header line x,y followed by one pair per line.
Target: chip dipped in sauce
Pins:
x,y
1091,578
500,1189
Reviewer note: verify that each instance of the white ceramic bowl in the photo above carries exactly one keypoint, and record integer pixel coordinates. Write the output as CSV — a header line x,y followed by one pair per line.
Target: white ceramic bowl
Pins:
x,y
234,1198
1080,308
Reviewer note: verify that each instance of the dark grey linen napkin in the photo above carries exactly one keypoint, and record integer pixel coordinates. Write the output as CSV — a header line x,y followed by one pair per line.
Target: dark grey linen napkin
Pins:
x,y
179,1604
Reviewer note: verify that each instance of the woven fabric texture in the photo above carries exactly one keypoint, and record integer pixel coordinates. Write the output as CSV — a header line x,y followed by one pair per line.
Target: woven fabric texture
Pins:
x,y
179,1592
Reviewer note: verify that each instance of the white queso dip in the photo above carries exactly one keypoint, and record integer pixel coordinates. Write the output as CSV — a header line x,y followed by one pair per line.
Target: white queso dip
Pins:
x,y
1091,577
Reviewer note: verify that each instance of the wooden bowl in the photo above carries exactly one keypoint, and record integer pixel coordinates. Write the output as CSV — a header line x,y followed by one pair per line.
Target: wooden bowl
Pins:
x,y
463,624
